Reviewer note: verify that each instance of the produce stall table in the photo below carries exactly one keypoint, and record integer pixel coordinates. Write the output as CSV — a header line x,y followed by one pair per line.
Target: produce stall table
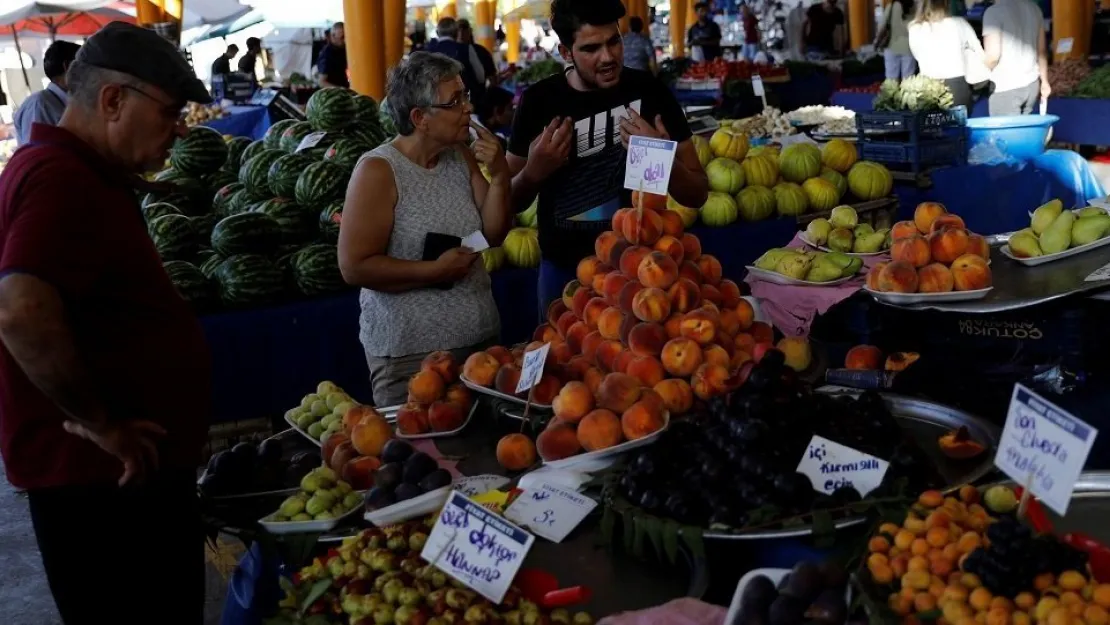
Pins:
x,y
243,121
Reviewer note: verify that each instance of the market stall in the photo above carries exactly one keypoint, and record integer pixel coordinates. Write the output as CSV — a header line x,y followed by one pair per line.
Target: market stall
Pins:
x,y
243,121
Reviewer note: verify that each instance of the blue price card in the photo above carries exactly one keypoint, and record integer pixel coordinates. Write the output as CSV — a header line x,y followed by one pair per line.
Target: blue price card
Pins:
x,y
647,166
1043,448
476,547
550,511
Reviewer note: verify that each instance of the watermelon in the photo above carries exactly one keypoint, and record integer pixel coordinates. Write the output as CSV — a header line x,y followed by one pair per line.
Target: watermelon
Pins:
x,y
245,233
189,195
203,225
295,222
331,108
284,172
249,279
154,210
201,151
369,134
220,179
254,174
210,264
222,202
174,237
385,120
346,152
203,254
329,220
236,146
272,138
240,202
252,150
366,109
316,269
175,199
293,135
318,151
169,175
191,283
321,182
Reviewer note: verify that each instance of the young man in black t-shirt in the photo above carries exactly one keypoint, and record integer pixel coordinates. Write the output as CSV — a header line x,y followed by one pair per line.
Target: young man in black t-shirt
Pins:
x,y
568,143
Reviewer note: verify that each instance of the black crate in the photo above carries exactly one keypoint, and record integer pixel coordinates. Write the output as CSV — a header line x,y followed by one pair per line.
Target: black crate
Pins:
x,y
916,124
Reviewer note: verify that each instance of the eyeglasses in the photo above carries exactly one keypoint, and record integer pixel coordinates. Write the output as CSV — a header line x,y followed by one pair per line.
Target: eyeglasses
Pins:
x,y
460,100
169,111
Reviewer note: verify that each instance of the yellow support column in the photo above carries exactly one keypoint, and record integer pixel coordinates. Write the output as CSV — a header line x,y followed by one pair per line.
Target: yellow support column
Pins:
x,y
394,31
365,23
484,13
623,25
1068,23
1104,5
678,27
420,14
512,40
449,9
860,16
691,15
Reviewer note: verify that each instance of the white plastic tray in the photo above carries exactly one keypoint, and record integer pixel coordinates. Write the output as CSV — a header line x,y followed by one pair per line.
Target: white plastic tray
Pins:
x,y
805,239
928,298
602,457
427,503
778,278
775,575
498,394
303,527
390,418
390,415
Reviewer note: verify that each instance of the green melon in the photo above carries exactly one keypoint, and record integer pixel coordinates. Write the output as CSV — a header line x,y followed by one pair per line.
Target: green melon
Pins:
x,y
236,146
245,233
272,138
296,224
320,183
222,202
154,210
316,270
346,152
203,225
174,237
254,174
220,179
251,151
369,134
318,151
169,174
201,151
331,108
284,172
366,109
210,264
249,280
193,286
293,136
329,220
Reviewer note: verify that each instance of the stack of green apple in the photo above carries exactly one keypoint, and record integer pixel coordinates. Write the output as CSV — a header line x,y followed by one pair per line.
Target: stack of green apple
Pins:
x,y
1053,230
809,266
320,414
842,232
323,496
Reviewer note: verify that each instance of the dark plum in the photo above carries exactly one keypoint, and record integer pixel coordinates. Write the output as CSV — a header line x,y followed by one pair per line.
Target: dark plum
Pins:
x,y
396,450
388,476
270,451
805,582
829,608
787,610
407,491
436,479
417,467
650,501
377,498
758,594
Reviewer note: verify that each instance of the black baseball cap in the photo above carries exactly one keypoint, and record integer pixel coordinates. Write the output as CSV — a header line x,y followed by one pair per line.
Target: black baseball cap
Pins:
x,y
144,54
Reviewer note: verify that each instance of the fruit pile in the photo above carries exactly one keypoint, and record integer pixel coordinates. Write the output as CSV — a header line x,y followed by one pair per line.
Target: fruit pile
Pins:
x,y
1053,229
916,93
404,474
966,559
201,113
246,468
323,496
743,69
809,266
378,577
436,402
934,253
521,247
321,414
842,232
811,592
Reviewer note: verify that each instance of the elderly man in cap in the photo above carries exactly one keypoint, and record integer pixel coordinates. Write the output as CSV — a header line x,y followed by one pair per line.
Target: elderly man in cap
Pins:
x,y
104,371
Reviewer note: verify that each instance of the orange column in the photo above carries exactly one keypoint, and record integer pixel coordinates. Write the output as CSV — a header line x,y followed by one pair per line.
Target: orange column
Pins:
x,y
691,15
1068,22
394,32
365,23
1104,5
627,14
449,9
860,16
678,27
484,13
512,40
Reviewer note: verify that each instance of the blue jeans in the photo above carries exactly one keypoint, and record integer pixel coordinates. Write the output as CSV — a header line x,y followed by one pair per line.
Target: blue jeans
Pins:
x,y
898,66
750,50
553,280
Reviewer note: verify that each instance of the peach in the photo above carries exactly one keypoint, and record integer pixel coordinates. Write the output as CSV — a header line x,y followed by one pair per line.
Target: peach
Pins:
x,y
947,220
623,359
507,379
558,442
344,452
355,415
730,294
912,249
651,304
627,295
545,333
609,323
593,310
604,243
481,368
590,343
684,295
901,230
761,349
579,300
565,321
677,396
925,214
641,419
442,363
647,369
977,244
516,452
710,269
743,342
501,353
458,394
867,357
738,358
445,416
670,246
593,378
618,219
618,391
587,268
709,381
689,270
710,309
934,278
607,354
709,293
745,313
600,429
568,293
576,369
426,387
762,332
370,435
729,323
948,244
873,276
575,335
715,355
698,326
559,354
672,224
798,352
642,228
573,402
546,389
971,272
724,341
554,310
331,443
518,355
649,201
598,283
647,339
673,326
612,285
657,270
615,253
898,277
412,418
681,357
630,260
691,246
359,472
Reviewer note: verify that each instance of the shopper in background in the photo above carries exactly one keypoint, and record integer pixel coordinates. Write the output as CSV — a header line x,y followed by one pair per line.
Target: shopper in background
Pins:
x,y
104,370
447,43
249,61
1014,41
46,106
332,62
485,57
824,30
496,113
894,40
424,182
639,53
705,35
222,65
751,32
947,49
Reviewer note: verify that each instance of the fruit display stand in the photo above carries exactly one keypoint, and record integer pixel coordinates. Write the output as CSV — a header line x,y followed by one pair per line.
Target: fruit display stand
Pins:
x,y
243,121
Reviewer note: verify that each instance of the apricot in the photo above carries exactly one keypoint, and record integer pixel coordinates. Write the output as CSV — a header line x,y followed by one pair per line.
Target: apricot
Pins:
x,y
611,287
588,267
912,249
691,247
672,224
762,332
370,435
670,246
676,394
900,230
689,270
651,304
647,339
565,321
593,311
716,355
426,387
971,272
628,295
898,277
1101,595
684,295
681,357
937,536
607,354
730,294
925,214
873,274
947,220
798,352
948,244
359,472
481,368
609,323
1096,615
642,227
573,402
641,419
709,381
977,244
710,269
710,294
657,270
545,333
698,326
865,357
445,416
546,389
516,452
934,278
600,429
579,300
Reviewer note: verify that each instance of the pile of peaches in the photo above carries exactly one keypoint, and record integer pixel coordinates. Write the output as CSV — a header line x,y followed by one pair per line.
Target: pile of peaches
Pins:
x,y
354,451
934,253
436,401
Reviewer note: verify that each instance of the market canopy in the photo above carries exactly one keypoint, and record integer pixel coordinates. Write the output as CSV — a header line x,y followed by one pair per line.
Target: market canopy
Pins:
x,y
76,18
533,10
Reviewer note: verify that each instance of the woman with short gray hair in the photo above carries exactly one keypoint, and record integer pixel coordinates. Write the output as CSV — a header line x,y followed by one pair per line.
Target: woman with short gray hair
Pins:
x,y
409,204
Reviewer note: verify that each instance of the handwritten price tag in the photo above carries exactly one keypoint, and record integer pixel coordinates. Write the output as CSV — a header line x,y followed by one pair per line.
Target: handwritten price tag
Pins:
x,y
830,465
1043,448
647,167
310,141
476,547
550,511
532,368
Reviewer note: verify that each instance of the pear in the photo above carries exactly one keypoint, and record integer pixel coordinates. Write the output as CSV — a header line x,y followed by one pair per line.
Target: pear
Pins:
x,y
326,475
1025,245
861,230
1089,229
771,258
1045,215
1090,211
1057,237
300,517
311,483
794,266
840,240
842,260
308,400
292,506
869,243
823,269
853,268
1024,231
843,217
818,231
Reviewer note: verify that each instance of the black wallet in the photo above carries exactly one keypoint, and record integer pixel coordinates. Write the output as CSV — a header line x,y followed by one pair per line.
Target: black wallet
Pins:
x,y
435,244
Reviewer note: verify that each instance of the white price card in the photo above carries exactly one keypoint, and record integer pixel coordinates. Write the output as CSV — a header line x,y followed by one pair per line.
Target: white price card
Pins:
x,y
475,241
757,85
476,547
647,166
475,485
1102,273
532,369
310,141
1064,45
550,511
1043,448
830,465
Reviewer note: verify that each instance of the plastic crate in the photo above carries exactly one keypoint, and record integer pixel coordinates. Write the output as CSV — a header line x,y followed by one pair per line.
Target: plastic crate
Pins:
x,y
951,150
913,123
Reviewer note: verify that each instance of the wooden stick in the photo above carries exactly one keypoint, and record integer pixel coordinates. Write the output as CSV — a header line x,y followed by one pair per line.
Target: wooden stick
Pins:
x,y
527,406
639,213
1026,495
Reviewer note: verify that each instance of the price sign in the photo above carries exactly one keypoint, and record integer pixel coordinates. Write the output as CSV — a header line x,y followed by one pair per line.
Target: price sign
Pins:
x,y
1065,45
476,547
757,88
550,511
1043,448
647,167
830,465
532,368
310,141
475,485
475,241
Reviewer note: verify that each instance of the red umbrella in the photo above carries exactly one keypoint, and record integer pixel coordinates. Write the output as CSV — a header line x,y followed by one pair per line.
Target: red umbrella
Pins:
x,y
70,23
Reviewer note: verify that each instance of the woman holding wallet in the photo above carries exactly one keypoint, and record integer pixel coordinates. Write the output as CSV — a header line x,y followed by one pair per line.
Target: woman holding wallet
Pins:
x,y
409,205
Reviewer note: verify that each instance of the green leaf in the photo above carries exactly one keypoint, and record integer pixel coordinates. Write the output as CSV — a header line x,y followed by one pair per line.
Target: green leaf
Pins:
x,y
318,589
629,528
824,530
653,527
695,540
608,524
669,534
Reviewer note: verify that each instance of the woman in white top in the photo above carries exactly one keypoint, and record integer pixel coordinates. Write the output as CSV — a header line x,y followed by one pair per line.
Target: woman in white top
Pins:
x,y
894,37
947,49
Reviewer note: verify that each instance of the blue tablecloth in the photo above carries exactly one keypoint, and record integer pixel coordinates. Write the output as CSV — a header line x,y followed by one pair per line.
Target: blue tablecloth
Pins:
x,y
243,121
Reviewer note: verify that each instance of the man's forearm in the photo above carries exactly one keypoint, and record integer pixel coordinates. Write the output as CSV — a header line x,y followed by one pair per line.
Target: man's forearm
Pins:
x,y
688,187
524,191
497,210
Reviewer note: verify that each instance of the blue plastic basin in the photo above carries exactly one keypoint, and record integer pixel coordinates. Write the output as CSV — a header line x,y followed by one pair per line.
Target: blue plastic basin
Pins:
x,y
1020,137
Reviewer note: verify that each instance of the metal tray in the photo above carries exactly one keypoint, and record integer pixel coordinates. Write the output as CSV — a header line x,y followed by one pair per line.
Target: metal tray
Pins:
x,y
499,395
777,278
253,494
907,299
390,414
390,418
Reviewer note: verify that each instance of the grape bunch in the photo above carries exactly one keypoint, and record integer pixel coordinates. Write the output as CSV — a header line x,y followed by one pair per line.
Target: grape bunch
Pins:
x,y
1015,557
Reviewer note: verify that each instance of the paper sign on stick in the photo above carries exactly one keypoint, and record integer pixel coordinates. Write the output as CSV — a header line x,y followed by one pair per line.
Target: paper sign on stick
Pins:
x,y
550,511
310,141
757,88
532,369
476,241
830,465
647,167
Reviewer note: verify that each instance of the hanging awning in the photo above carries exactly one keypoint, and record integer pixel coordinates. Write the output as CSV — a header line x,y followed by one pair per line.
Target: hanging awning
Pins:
x,y
533,10
67,18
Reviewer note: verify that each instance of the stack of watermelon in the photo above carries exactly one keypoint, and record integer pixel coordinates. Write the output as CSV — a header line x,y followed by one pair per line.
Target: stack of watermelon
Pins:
x,y
252,223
